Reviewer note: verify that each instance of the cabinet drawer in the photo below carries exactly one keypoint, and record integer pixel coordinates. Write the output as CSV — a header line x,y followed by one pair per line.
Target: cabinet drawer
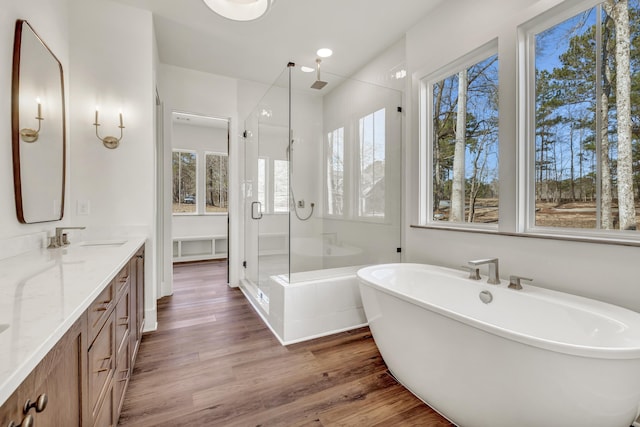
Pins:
x,y
121,282
100,310
123,321
101,364
121,378
105,416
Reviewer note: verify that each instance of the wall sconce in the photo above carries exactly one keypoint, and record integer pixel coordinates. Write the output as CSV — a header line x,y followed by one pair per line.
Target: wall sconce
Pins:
x,y
31,135
110,142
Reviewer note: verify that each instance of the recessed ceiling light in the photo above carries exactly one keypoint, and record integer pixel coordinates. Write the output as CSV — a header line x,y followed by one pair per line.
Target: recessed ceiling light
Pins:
x,y
240,10
307,69
324,52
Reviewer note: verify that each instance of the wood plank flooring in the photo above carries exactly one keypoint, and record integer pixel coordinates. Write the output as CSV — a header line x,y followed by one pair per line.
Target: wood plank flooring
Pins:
x,y
213,362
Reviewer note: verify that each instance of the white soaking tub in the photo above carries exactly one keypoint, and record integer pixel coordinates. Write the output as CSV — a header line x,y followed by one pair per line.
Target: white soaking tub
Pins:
x,y
529,358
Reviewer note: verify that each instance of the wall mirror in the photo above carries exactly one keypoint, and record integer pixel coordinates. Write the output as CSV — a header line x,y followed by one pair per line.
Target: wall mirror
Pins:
x,y
38,128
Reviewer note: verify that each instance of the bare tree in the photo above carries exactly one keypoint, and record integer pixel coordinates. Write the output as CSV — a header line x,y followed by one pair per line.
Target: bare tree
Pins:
x,y
457,191
619,12
606,215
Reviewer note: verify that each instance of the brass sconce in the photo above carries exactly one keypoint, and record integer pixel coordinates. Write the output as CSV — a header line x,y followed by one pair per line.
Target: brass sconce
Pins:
x,y
31,135
110,142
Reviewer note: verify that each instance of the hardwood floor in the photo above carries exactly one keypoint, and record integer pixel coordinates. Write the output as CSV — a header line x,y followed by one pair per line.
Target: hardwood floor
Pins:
x,y
212,362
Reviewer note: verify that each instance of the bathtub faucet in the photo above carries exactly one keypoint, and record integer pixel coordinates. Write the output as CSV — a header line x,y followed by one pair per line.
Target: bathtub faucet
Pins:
x,y
494,273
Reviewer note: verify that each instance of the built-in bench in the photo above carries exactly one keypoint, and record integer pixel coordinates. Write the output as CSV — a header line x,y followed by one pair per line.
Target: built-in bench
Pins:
x,y
199,248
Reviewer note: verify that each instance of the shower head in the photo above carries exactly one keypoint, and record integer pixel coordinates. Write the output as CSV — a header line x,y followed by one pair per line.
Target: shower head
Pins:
x,y
318,84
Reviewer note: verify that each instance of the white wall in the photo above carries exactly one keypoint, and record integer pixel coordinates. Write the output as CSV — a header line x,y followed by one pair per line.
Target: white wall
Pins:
x,y
49,19
604,272
191,91
113,69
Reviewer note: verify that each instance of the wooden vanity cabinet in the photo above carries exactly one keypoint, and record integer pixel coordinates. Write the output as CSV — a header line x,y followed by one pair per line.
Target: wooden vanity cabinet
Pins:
x,y
61,377
85,375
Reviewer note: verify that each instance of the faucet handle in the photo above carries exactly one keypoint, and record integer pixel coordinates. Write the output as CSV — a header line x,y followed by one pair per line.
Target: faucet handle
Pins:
x,y
474,272
514,282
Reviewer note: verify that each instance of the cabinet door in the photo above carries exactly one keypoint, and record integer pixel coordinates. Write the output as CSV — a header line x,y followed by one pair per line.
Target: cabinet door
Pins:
x,y
59,376
11,411
101,365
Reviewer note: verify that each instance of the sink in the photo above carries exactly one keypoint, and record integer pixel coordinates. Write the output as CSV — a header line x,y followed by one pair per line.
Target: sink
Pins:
x,y
103,243
3,327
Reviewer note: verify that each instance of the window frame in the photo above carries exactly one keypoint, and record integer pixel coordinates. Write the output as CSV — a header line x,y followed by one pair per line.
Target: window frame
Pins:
x,y
426,139
526,147
197,179
219,154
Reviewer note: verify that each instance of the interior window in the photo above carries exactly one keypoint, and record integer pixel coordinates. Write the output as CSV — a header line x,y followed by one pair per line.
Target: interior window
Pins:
x,y
217,180
262,183
184,164
464,144
586,156
335,172
372,165
280,186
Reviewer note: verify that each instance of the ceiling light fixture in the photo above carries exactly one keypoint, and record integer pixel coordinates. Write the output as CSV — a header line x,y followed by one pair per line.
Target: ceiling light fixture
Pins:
x,y
240,10
307,69
324,52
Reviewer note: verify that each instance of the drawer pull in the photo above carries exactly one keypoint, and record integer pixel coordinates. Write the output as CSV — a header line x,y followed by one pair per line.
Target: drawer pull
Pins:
x,y
40,404
103,306
102,364
26,422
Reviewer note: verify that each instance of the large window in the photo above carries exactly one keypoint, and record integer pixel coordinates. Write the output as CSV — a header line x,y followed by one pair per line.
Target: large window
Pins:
x,y
184,164
371,198
585,163
462,108
262,183
280,186
217,181
335,172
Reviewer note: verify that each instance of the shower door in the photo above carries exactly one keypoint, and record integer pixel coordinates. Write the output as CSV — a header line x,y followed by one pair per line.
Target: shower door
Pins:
x,y
266,198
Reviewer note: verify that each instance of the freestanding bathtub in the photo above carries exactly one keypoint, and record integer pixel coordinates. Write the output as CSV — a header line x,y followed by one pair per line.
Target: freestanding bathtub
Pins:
x,y
528,358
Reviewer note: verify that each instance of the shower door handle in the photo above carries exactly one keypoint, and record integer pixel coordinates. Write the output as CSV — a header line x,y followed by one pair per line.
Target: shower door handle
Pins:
x,y
253,210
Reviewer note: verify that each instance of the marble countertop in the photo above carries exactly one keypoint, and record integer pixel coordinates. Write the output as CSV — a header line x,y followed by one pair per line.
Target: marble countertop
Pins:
x,y
43,293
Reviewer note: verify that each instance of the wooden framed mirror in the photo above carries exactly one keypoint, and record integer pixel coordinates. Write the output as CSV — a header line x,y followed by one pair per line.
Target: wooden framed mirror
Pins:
x,y
38,128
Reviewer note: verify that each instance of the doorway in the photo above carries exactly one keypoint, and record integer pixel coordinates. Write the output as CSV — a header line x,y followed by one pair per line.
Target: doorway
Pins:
x,y
199,189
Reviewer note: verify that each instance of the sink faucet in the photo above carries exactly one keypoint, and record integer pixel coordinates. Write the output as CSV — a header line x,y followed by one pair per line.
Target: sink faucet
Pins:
x,y
514,282
60,238
494,273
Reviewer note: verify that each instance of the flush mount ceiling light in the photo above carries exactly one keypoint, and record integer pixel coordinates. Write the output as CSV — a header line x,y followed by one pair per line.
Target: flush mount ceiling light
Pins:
x,y
307,69
324,52
240,10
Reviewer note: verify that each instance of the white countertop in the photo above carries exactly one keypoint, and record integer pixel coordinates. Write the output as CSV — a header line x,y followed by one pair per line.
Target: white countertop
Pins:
x,y
43,293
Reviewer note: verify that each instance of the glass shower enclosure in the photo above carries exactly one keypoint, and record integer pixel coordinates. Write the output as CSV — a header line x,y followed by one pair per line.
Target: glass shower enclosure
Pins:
x,y
322,179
